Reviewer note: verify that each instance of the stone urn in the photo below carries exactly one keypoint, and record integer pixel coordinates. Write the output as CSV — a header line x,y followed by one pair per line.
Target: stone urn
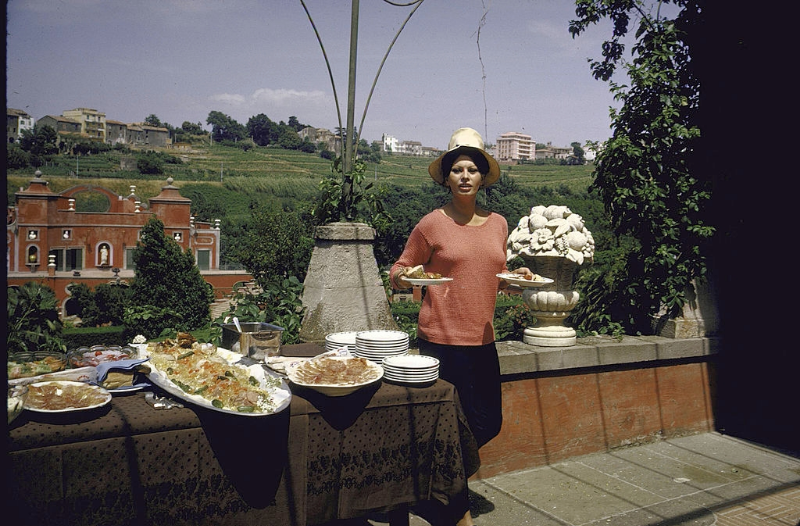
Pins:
x,y
553,242
551,303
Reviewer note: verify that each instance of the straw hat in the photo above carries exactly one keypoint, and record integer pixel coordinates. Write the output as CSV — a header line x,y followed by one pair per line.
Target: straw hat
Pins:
x,y
464,140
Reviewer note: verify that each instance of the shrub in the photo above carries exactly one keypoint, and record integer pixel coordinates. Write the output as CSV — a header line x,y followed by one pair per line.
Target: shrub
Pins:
x,y
32,319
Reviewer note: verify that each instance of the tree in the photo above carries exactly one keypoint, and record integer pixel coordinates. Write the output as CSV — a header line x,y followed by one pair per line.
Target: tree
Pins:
x,y
153,120
167,278
224,128
39,142
262,130
645,174
193,129
288,138
150,163
275,245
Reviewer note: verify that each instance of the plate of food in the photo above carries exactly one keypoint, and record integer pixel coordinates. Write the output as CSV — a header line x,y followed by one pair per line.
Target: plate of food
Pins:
x,y
334,375
215,378
97,354
418,276
520,281
62,396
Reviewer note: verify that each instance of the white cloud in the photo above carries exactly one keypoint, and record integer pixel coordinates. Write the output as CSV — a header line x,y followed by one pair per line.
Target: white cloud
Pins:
x,y
228,98
280,97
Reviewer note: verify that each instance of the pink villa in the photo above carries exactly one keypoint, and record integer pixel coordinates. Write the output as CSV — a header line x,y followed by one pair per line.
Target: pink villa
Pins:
x,y
49,241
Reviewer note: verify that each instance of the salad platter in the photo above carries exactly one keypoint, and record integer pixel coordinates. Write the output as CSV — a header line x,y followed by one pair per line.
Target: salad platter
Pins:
x,y
215,378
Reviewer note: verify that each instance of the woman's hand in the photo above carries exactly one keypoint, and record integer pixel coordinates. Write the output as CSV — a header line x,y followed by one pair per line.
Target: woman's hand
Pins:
x,y
400,278
523,272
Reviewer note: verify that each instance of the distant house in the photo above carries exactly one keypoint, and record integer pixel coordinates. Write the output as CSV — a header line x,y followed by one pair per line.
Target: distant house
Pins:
x,y
329,140
65,128
553,152
116,132
16,122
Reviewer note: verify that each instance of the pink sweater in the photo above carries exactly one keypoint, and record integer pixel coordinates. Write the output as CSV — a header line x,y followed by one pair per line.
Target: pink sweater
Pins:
x,y
459,312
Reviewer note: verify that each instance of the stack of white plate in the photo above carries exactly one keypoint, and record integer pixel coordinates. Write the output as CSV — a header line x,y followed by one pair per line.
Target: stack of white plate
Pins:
x,y
337,340
378,345
411,369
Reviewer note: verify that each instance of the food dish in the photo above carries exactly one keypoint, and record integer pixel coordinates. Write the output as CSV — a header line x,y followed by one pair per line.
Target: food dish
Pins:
x,y
516,279
334,375
227,383
30,365
65,396
428,281
94,356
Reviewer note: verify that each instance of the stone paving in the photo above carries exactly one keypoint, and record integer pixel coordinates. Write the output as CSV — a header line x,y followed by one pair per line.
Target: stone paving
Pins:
x,y
701,480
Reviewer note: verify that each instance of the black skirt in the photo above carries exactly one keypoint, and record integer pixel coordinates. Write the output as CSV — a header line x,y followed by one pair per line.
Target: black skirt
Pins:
x,y
475,372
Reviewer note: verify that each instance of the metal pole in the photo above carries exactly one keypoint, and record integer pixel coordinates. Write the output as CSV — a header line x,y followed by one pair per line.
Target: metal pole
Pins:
x,y
347,187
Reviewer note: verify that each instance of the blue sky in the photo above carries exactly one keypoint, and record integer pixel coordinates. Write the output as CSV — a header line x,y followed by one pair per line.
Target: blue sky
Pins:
x,y
494,65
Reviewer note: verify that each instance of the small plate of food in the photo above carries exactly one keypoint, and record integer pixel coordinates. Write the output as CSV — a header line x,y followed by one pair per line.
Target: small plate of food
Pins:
x,y
417,276
521,281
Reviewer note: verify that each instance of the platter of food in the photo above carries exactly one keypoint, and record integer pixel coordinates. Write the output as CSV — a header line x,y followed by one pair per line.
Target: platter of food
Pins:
x,y
520,281
334,375
214,378
419,277
95,355
62,396
31,365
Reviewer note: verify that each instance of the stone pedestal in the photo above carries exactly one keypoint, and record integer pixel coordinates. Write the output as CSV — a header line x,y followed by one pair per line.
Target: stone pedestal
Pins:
x,y
552,303
698,319
343,290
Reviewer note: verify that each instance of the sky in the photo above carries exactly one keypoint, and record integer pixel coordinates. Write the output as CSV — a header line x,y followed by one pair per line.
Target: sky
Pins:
x,y
494,65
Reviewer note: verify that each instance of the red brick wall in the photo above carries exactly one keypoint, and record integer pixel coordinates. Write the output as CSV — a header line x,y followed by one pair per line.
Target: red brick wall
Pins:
x,y
549,419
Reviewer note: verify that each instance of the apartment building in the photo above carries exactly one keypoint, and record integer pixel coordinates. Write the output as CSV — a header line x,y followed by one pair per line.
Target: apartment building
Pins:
x,y
93,122
515,146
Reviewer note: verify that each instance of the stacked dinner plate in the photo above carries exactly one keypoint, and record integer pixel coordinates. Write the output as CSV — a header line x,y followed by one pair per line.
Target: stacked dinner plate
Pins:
x,y
338,340
378,345
411,369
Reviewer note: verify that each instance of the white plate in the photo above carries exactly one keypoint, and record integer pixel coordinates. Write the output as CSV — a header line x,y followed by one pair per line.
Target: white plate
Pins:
x,y
381,336
106,398
428,281
334,389
281,396
412,361
516,279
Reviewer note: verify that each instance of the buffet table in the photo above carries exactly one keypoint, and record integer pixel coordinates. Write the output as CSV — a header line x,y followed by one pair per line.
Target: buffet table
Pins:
x,y
380,449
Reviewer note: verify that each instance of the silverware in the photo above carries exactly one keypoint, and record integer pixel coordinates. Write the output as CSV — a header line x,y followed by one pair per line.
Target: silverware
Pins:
x,y
161,402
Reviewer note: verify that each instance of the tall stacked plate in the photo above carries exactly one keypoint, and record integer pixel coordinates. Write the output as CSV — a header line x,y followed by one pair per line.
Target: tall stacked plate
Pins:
x,y
411,369
378,345
338,340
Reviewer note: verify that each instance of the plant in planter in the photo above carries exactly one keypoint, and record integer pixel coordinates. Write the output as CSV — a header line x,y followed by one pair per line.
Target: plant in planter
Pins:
x,y
553,241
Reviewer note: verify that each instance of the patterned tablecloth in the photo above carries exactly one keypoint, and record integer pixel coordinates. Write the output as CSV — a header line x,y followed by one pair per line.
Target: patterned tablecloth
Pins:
x,y
380,448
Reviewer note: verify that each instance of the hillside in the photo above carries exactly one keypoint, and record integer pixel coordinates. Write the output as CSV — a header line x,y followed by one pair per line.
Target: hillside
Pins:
x,y
230,180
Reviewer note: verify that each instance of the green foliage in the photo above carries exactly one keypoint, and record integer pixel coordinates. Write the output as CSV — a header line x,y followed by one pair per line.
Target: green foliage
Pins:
x,y
103,306
349,197
16,157
645,174
150,163
32,322
88,336
274,245
225,128
167,281
280,303
40,143
150,321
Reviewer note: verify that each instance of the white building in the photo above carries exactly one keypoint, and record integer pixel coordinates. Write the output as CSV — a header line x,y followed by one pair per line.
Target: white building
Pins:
x,y
16,122
515,146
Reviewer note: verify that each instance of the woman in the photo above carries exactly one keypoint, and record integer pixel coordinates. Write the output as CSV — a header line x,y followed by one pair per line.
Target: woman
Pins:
x,y
467,243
